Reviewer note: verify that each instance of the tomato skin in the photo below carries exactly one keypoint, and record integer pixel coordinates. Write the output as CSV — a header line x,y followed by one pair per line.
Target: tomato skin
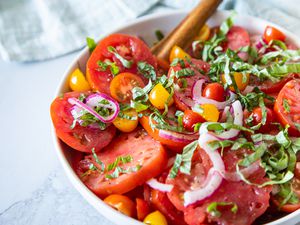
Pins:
x,y
271,33
126,125
204,33
177,52
214,91
158,96
129,47
257,117
121,203
210,112
151,156
155,218
238,77
190,118
77,81
79,138
290,92
122,84
142,209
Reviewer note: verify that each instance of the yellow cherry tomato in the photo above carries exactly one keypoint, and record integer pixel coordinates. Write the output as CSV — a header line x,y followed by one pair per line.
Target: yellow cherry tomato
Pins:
x,y
204,33
121,203
177,52
77,81
124,124
158,96
240,80
209,112
155,218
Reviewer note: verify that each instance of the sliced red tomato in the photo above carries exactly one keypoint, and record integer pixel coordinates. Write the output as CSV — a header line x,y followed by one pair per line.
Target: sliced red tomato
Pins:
x,y
129,47
142,209
237,37
287,106
183,98
80,138
214,91
146,153
121,86
250,206
271,33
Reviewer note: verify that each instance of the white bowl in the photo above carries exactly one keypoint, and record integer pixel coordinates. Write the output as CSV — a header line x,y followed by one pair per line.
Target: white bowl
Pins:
x,y
145,27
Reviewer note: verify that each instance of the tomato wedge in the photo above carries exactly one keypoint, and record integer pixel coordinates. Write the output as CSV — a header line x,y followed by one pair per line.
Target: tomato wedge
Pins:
x,y
287,106
147,154
121,86
129,47
80,138
142,209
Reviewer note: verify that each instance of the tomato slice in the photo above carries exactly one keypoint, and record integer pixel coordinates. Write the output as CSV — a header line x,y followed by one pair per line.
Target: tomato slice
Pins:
x,y
287,106
142,209
237,37
129,47
147,153
79,138
121,86
183,97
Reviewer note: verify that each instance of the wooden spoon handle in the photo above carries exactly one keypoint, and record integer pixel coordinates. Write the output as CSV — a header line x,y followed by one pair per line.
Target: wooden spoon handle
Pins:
x,y
189,27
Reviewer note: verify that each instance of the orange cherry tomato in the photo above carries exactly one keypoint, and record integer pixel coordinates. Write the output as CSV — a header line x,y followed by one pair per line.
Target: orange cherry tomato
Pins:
x,y
127,125
190,118
158,96
156,218
271,33
240,80
208,111
77,81
122,84
142,209
177,52
214,91
204,33
121,203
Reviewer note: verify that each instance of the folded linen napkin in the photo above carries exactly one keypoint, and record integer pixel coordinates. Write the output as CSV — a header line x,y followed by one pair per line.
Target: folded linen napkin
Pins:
x,y
34,30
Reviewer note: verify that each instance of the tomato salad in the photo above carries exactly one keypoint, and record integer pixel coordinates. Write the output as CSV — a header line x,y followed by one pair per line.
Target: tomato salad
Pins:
x,y
211,137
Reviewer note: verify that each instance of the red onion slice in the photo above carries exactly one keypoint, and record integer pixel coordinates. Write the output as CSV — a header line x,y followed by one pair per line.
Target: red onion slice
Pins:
x,y
178,137
92,102
197,96
214,178
159,186
238,120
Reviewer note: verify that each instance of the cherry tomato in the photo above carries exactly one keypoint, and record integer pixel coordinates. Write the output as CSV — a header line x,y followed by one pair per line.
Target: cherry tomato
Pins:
x,y
271,33
257,118
77,81
209,112
158,96
240,80
127,125
81,138
214,91
287,106
142,209
121,203
190,118
204,33
129,47
177,52
121,86
155,218
149,159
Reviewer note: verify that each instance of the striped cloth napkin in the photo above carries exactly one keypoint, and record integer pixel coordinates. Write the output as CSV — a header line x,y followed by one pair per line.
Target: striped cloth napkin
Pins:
x,y
35,30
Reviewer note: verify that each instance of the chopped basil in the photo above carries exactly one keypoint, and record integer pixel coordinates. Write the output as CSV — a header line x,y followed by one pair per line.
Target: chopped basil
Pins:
x,y
146,70
286,105
212,208
184,72
98,160
263,110
176,165
179,114
124,116
126,63
258,153
177,61
114,69
139,106
284,55
227,24
159,35
91,44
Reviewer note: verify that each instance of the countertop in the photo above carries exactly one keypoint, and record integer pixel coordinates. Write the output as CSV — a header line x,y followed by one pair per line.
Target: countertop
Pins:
x,y
34,188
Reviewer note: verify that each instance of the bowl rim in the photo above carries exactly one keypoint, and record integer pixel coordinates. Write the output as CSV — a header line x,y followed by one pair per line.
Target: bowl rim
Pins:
x,y
86,193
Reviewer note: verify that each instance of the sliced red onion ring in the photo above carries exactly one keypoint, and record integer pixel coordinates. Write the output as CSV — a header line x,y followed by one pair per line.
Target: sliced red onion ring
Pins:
x,y
247,172
178,137
224,114
214,178
232,133
92,102
159,186
197,96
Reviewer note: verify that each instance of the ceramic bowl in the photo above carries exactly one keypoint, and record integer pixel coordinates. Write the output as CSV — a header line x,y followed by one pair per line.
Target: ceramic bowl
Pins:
x,y
145,28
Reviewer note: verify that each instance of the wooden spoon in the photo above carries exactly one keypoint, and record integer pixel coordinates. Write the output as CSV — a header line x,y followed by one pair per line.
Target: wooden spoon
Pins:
x,y
189,27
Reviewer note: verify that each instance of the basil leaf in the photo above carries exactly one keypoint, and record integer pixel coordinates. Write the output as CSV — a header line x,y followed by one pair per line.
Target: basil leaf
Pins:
x,y
286,105
212,208
176,165
187,154
98,160
126,63
90,42
227,24
259,152
286,55
146,70
184,72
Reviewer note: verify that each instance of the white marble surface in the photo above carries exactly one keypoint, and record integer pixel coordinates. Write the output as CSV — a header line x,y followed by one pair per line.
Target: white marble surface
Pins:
x,y
33,187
